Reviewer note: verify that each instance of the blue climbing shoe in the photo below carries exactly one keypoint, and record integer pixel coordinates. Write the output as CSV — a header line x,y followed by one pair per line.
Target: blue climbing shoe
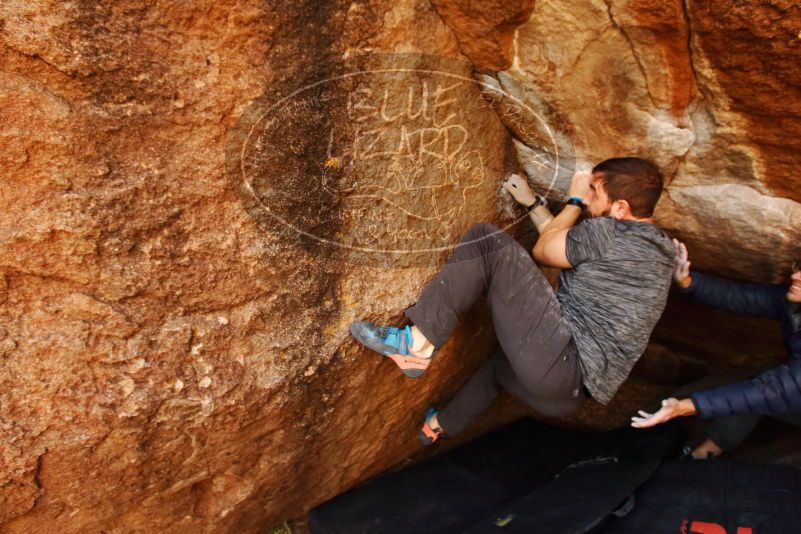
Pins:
x,y
394,343
429,434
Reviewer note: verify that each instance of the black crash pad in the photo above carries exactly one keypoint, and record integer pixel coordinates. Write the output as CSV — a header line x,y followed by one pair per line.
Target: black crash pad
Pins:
x,y
715,497
494,479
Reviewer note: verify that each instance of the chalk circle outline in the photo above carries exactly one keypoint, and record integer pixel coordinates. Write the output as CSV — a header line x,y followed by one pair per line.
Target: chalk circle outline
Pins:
x,y
493,89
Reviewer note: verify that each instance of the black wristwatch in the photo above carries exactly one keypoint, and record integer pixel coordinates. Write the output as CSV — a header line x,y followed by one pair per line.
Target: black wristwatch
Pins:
x,y
538,201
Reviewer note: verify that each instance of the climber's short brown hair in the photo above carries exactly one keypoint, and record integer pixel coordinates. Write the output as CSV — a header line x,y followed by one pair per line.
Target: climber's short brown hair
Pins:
x,y
638,181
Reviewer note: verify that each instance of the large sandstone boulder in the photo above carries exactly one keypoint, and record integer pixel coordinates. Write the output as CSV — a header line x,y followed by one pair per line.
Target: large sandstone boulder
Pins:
x,y
171,361
707,90
199,198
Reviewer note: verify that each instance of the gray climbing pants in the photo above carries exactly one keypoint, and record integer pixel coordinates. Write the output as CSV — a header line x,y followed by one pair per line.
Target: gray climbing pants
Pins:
x,y
537,360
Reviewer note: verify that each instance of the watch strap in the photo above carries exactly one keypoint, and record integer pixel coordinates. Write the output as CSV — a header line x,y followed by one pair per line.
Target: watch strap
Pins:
x,y
576,201
538,201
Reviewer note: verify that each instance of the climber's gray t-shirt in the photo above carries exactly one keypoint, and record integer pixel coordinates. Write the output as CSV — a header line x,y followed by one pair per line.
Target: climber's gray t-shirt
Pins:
x,y
613,295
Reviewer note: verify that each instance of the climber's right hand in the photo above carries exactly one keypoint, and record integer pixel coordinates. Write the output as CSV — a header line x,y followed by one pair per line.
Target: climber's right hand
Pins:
x,y
580,186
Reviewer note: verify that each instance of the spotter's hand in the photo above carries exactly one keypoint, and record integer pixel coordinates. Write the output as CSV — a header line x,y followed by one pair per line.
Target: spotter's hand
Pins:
x,y
682,267
671,408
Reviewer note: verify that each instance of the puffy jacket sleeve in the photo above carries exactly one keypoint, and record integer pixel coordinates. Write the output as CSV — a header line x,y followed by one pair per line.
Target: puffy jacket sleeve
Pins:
x,y
765,300
776,391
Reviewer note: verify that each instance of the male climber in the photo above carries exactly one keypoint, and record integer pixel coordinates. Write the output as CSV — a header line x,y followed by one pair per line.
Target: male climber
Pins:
x,y
617,272
738,407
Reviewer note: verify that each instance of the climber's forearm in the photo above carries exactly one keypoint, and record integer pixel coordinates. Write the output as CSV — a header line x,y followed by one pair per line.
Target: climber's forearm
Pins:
x,y
566,219
550,248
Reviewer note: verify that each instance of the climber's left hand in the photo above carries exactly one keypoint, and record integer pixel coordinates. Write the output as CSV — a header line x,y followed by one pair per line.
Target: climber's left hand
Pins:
x,y
518,187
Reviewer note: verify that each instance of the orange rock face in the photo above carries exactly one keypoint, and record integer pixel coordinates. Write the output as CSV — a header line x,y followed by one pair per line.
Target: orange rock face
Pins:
x,y
168,362
754,49
198,198
486,30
